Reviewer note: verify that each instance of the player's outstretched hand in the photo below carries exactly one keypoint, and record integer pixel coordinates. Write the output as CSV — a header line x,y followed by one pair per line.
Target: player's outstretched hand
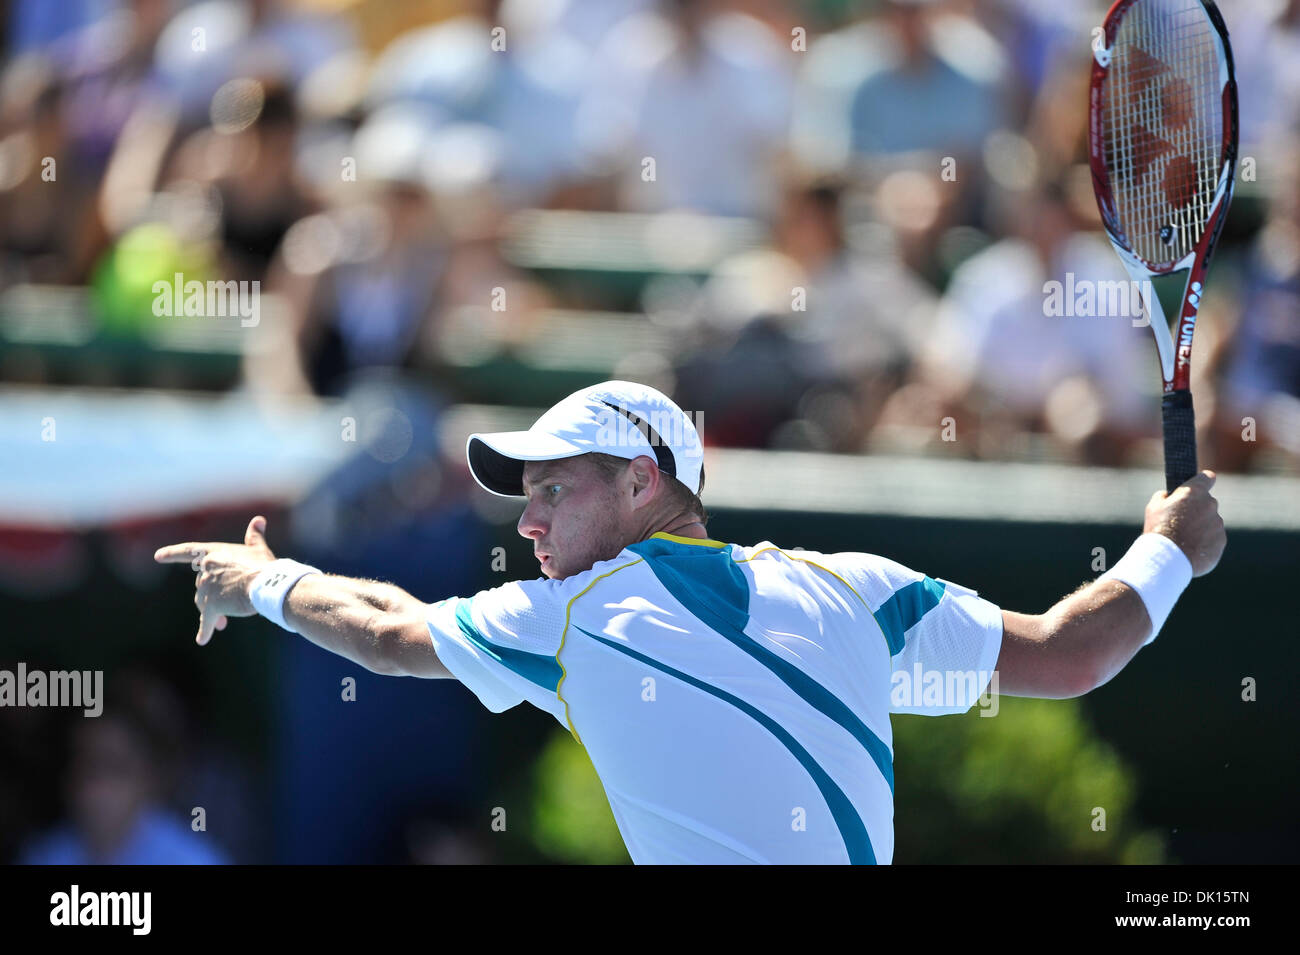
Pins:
x,y
225,573
1190,518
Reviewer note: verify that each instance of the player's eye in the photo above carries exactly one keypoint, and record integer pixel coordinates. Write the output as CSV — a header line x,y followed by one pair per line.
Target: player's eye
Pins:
x,y
553,489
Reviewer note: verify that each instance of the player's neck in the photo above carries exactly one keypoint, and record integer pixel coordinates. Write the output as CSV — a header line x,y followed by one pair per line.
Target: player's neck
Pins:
x,y
687,528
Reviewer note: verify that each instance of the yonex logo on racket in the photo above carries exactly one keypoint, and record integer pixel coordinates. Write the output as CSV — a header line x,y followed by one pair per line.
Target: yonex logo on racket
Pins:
x,y
1185,335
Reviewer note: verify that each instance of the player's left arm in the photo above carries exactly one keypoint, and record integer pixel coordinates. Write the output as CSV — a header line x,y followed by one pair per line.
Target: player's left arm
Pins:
x,y
1089,636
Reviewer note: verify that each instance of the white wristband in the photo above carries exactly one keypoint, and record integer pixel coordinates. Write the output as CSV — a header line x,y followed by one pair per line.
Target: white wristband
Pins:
x,y
1159,571
272,585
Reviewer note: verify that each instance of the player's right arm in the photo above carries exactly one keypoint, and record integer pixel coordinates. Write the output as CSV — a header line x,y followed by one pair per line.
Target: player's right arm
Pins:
x,y
379,626
376,625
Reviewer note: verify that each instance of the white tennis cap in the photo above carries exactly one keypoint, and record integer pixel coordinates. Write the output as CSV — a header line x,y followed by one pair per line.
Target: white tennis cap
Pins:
x,y
620,418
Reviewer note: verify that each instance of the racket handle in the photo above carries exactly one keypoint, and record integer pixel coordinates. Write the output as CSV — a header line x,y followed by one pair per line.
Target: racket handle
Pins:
x,y
1180,438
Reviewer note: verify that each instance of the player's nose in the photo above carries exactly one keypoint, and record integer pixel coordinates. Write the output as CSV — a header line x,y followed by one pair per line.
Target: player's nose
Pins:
x,y
529,525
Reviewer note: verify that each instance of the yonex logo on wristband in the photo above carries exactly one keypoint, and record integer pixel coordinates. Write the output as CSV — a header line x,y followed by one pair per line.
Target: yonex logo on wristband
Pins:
x,y
273,584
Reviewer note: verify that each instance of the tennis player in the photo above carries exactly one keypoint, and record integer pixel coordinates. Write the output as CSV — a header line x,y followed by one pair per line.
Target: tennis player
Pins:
x,y
734,700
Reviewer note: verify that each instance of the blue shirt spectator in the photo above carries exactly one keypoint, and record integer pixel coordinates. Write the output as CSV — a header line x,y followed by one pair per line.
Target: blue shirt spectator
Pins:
x,y
157,839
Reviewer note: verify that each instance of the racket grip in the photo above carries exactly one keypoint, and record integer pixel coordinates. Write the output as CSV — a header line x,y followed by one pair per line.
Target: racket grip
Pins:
x,y
1180,438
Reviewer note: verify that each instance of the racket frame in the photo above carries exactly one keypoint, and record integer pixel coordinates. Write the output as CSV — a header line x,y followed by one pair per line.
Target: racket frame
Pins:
x,y
1175,349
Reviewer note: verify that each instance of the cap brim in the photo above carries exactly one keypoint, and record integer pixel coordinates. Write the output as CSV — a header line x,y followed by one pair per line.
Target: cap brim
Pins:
x,y
497,460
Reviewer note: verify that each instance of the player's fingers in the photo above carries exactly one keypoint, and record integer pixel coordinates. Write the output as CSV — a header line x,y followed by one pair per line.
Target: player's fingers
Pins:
x,y
199,600
253,537
221,622
207,621
201,594
179,553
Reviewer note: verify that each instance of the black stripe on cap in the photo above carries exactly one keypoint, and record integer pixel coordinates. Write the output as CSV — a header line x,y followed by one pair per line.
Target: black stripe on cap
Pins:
x,y
663,453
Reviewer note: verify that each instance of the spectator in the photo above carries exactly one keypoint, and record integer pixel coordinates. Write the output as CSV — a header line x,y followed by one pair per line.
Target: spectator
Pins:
x,y
1261,377
108,68
45,208
1266,56
1001,346
523,81
705,95
938,88
361,278
207,44
850,317
256,191
118,785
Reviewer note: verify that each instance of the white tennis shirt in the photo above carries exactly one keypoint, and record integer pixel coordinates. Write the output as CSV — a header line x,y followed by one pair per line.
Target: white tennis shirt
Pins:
x,y
734,700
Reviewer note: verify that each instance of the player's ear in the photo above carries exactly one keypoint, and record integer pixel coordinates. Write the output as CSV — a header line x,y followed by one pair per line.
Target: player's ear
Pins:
x,y
643,476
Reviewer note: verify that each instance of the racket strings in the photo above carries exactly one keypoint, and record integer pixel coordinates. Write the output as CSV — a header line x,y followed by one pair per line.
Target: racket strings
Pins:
x,y
1163,125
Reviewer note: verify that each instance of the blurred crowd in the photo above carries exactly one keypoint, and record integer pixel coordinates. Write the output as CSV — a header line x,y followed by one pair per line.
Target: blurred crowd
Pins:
x,y
914,174
818,224
107,790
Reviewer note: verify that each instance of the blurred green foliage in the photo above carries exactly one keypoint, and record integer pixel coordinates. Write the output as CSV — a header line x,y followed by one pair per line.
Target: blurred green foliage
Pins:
x,y
1018,787
572,820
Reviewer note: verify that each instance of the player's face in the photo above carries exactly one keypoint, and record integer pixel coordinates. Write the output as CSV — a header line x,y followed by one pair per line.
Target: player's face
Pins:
x,y
574,516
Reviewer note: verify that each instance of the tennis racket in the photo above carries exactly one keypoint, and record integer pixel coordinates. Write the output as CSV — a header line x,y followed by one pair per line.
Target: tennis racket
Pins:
x,y
1163,146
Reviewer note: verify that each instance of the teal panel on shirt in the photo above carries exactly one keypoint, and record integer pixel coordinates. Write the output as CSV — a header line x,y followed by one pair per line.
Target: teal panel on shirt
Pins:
x,y
706,576
904,610
541,670
711,585
852,830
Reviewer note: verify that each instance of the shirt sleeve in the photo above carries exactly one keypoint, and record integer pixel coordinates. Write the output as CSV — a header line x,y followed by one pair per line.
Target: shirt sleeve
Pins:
x,y
502,643
944,639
